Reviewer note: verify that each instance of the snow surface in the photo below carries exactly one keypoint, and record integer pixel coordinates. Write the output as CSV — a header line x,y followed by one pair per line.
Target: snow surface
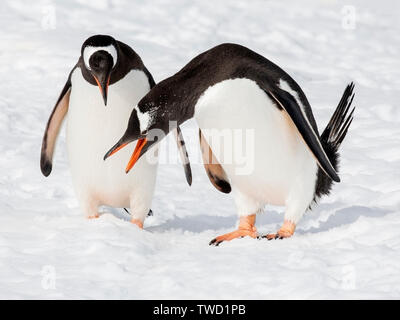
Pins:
x,y
347,247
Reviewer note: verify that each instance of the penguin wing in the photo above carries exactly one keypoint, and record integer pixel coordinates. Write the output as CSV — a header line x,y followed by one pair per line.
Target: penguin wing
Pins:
x,y
214,170
184,155
288,103
53,128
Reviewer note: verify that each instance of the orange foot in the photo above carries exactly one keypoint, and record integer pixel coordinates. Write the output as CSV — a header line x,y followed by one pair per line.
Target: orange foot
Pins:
x,y
138,223
95,216
246,228
286,231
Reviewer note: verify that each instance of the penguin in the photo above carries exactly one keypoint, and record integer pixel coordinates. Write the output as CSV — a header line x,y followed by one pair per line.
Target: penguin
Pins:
x,y
271,150
101,90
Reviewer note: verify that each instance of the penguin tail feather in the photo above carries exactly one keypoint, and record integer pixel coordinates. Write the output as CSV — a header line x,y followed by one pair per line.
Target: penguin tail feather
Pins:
x,y
337,128
333,136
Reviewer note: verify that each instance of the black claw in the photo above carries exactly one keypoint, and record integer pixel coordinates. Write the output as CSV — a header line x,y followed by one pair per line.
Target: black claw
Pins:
x,y
149,214
265,236
214,242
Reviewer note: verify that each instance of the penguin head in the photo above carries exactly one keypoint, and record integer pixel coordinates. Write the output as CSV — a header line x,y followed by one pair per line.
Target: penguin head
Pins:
x,y
100,57
149,123
141,127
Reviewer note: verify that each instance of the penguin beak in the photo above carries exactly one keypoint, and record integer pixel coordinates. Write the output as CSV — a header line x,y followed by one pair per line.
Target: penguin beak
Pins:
x,y
141,147
103,86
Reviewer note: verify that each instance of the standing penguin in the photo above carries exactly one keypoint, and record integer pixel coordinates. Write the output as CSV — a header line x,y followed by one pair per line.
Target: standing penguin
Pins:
x,y
96,120
230,89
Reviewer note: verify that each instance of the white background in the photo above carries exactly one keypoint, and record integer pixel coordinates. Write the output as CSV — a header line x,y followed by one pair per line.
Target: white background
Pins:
x,y
346,247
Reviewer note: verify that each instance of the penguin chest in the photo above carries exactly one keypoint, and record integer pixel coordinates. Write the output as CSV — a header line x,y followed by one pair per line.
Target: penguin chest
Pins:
x,y
93,128
256,143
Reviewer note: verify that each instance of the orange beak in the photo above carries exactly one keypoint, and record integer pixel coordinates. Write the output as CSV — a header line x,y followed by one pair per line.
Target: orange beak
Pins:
x,y
135,155
117,149
103,88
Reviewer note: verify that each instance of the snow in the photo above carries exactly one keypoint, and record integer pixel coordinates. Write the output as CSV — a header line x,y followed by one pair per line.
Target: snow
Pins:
x,y
346,247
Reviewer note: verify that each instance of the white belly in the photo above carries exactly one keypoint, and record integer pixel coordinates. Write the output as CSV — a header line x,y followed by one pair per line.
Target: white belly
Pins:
x,y
262,152
92,129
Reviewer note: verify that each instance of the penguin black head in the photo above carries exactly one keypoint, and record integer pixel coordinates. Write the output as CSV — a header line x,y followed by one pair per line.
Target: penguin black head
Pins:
x,y
150,121
100,57
139,128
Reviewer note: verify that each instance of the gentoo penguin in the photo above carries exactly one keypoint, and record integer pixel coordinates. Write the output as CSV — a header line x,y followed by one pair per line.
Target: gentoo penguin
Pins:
x,y
270,151
95,120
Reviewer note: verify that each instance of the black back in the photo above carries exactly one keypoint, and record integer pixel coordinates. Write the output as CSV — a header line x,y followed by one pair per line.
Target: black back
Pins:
x,y
180,93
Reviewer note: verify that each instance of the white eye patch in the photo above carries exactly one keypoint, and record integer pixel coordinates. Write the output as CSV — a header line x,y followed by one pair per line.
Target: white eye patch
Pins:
x,y
144,119
88,51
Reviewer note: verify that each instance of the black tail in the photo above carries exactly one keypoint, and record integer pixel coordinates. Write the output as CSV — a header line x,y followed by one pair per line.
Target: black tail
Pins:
x,y
337,127
333,136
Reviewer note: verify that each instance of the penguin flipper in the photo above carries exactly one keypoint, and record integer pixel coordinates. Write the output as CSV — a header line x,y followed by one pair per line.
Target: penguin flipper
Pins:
x,y
288,103
184,155
214,170
53,128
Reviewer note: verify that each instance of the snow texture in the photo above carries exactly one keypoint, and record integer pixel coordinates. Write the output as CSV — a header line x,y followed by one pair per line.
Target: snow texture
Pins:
x,y
346,247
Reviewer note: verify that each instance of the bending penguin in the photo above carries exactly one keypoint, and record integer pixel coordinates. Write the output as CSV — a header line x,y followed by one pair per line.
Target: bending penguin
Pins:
x,y
277,158
95,120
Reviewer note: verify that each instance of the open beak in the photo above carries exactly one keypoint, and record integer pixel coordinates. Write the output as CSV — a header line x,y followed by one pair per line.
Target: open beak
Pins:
x,y
103,86
137,153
